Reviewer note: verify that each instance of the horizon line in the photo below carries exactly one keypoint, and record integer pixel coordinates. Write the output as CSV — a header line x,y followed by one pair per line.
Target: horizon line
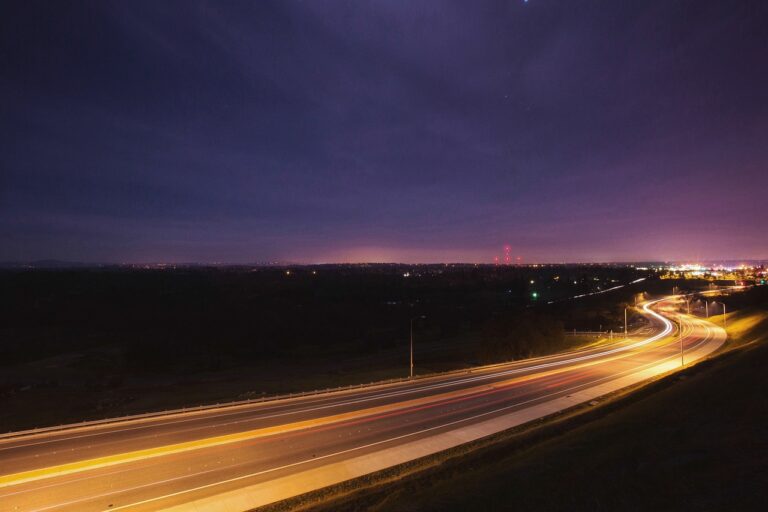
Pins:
x,y
279,263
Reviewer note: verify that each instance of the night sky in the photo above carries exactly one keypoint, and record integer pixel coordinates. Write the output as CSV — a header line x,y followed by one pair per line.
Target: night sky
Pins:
x,y
408,131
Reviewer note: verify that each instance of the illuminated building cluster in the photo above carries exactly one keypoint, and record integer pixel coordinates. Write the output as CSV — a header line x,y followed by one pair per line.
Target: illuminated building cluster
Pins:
x,y
741,274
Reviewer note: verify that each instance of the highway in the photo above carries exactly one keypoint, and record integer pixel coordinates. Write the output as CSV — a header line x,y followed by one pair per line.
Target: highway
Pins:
x,y
242,456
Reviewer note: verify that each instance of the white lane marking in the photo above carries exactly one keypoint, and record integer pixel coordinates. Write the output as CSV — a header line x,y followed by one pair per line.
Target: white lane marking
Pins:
x,y
342,452
458,382
118,471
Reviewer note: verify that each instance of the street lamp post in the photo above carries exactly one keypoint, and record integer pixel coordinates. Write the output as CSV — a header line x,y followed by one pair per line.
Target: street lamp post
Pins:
x,y
625,322
725,321
706,307
412,319
680,323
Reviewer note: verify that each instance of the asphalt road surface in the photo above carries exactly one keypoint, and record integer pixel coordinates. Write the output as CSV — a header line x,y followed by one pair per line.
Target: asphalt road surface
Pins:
x,y
188,458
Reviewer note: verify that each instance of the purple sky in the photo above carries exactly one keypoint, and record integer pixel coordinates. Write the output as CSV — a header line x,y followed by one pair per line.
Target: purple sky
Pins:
x,y
383,131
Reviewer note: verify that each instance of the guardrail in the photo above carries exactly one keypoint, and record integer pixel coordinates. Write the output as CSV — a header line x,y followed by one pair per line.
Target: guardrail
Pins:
x,y
251,401
203,407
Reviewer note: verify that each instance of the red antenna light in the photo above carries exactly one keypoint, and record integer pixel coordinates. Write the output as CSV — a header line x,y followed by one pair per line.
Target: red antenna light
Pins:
x,y
507,254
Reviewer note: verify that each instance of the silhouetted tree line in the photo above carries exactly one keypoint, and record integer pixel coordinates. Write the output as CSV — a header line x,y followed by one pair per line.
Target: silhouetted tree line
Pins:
x,y
517,336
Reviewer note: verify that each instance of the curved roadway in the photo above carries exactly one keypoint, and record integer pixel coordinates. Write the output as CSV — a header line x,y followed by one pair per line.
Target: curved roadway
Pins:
x,y
240,457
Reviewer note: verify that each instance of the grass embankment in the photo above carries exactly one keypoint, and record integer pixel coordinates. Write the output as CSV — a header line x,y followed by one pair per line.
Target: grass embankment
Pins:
x,y
693,443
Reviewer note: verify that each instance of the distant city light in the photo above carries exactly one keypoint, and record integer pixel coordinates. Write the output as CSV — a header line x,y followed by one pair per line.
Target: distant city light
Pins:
x,y
713,272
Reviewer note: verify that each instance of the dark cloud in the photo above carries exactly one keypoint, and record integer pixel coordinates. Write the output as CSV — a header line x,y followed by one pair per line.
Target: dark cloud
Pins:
x,y
246,131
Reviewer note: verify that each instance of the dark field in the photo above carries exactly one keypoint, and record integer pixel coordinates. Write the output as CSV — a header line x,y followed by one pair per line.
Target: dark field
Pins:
x,y
87,343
